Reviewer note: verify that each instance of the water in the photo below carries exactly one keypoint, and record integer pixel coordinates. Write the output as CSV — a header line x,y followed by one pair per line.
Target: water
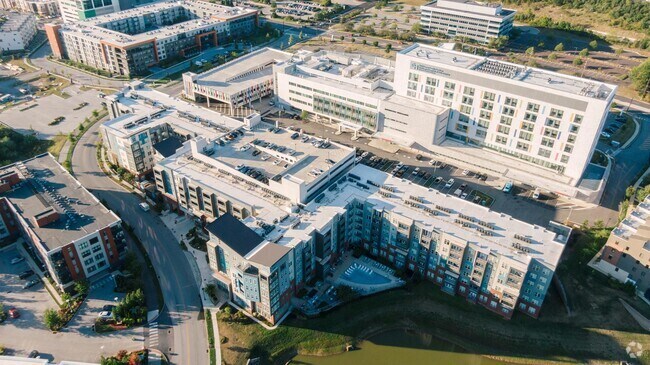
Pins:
x,y
401,347
361,274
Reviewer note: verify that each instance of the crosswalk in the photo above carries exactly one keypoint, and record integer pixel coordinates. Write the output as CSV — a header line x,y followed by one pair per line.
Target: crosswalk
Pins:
x,y
100,283
153,334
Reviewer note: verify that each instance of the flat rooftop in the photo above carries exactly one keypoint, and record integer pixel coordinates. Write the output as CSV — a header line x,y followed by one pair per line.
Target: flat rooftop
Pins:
x,y
532,77
244,72
301,158
47,185
12,21
182,115
632,224
437,211
205,14
471,6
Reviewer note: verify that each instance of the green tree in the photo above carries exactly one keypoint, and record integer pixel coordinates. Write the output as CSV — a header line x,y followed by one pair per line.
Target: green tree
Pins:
x,y
326,3
552,56
274,15
95,113
584,52
388,47
593,44
375,43
81,286
498,43
559,47
640,76
578,61
52,320
364,42
273,5
342,37
304,115
530,51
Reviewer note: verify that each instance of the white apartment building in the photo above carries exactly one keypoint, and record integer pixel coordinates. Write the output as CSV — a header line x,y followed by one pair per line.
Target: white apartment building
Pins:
x,y
525,124
466,19
141,118
16,30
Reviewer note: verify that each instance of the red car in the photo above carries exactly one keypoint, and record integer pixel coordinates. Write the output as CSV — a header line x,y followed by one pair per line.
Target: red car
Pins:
x,y
14,313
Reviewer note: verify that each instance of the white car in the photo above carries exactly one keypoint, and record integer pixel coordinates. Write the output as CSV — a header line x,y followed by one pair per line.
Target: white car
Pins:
x,y
363,155
449,183
144,206
415,172
465,172
105,315
605,135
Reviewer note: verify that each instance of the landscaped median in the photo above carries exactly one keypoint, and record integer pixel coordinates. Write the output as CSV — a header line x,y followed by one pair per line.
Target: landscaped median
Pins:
x,y
76,135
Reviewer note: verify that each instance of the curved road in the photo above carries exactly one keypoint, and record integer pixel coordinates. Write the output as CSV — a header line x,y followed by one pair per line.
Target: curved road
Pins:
x,y
181,325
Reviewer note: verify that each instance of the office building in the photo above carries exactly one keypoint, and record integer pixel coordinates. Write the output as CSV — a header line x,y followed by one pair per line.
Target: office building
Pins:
x,y
142,120
74,11
69,233
130,41
525,124
626,255
466,19
16,30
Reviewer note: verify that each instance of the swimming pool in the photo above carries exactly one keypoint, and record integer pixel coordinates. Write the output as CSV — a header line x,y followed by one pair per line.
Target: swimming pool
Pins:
x,y
362,274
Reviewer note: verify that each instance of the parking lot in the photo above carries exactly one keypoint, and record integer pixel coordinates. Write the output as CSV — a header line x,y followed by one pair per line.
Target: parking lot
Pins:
x,y
77,341
38,114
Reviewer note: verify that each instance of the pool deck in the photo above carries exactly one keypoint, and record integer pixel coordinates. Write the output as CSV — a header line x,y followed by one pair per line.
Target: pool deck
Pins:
x,y
365,289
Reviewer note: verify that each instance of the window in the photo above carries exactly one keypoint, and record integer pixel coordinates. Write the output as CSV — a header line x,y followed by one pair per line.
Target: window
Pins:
x,y
577,119
413,76
573,128
485,115
503,129
532,107
448,95
461,128
557,113
83,246
550,133
571,138
468,100
508,111
450,85
501,140
523,146
527,126
465,109
544,152
468,91
552,123
94,240
568,148
480,133
431,81
511,101
547,142
564,159
506,120
488,96
429,90
526,136
483,123
487,105
531,117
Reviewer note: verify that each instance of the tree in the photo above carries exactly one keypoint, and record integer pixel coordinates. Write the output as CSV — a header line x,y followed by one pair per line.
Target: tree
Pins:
x,y
95,113
81,127
375,43
342,37
559,47
274,15
584,52
499,42
326,3
552,56
364,42
388,47
593,44
273,5
81,286
304,115
51,319
530,51
640,76
578,61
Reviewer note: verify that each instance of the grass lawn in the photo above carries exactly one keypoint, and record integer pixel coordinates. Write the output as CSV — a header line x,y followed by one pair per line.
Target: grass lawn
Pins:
x,y
597,331
57,144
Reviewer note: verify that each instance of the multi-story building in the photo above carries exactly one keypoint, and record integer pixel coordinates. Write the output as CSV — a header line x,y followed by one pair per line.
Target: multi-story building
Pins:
x,y
526,124
73,11
16,30
66,228
466,19
487,257
237,83
141,118
626,255
40,8
130,41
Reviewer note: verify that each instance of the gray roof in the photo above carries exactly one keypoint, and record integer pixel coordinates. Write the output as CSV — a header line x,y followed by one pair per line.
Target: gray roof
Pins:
x,y
269,254
234,234
47,185
169,146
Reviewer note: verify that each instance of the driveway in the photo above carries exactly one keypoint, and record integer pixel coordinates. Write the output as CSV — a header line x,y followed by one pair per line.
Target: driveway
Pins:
x,y
75,343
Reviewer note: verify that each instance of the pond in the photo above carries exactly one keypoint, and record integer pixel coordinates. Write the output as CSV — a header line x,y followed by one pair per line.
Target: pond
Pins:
x,y
401,347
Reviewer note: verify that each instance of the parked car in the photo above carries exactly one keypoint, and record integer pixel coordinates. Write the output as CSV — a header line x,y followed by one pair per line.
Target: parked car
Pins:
x,y
536,193
465,172
144,206
449,183
415,172
605,135
25,274
507,187
30,283
17,259
105,315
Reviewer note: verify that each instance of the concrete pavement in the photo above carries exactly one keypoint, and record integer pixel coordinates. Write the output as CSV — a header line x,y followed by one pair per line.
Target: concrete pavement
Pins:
x,y
182,333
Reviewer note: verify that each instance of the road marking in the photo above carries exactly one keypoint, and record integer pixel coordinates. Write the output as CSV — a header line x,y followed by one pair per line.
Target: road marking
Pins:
x,y
153,334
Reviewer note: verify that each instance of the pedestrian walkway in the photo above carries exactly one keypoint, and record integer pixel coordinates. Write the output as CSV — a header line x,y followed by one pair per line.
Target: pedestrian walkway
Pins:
x,y
153,335
101,282
154,358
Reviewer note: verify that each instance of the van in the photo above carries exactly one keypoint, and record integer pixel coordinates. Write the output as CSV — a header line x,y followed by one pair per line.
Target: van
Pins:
x,y
458,192
144,206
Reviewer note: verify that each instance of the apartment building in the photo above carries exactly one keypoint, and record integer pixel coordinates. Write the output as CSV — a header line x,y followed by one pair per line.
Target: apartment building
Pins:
x,y
70,234
281,244
16,30
40,8
130,41
142,119
74,11
237,83
480,22
626,255
525,124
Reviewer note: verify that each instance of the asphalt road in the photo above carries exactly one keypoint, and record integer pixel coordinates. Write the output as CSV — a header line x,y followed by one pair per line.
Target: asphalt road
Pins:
x,y
181,325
